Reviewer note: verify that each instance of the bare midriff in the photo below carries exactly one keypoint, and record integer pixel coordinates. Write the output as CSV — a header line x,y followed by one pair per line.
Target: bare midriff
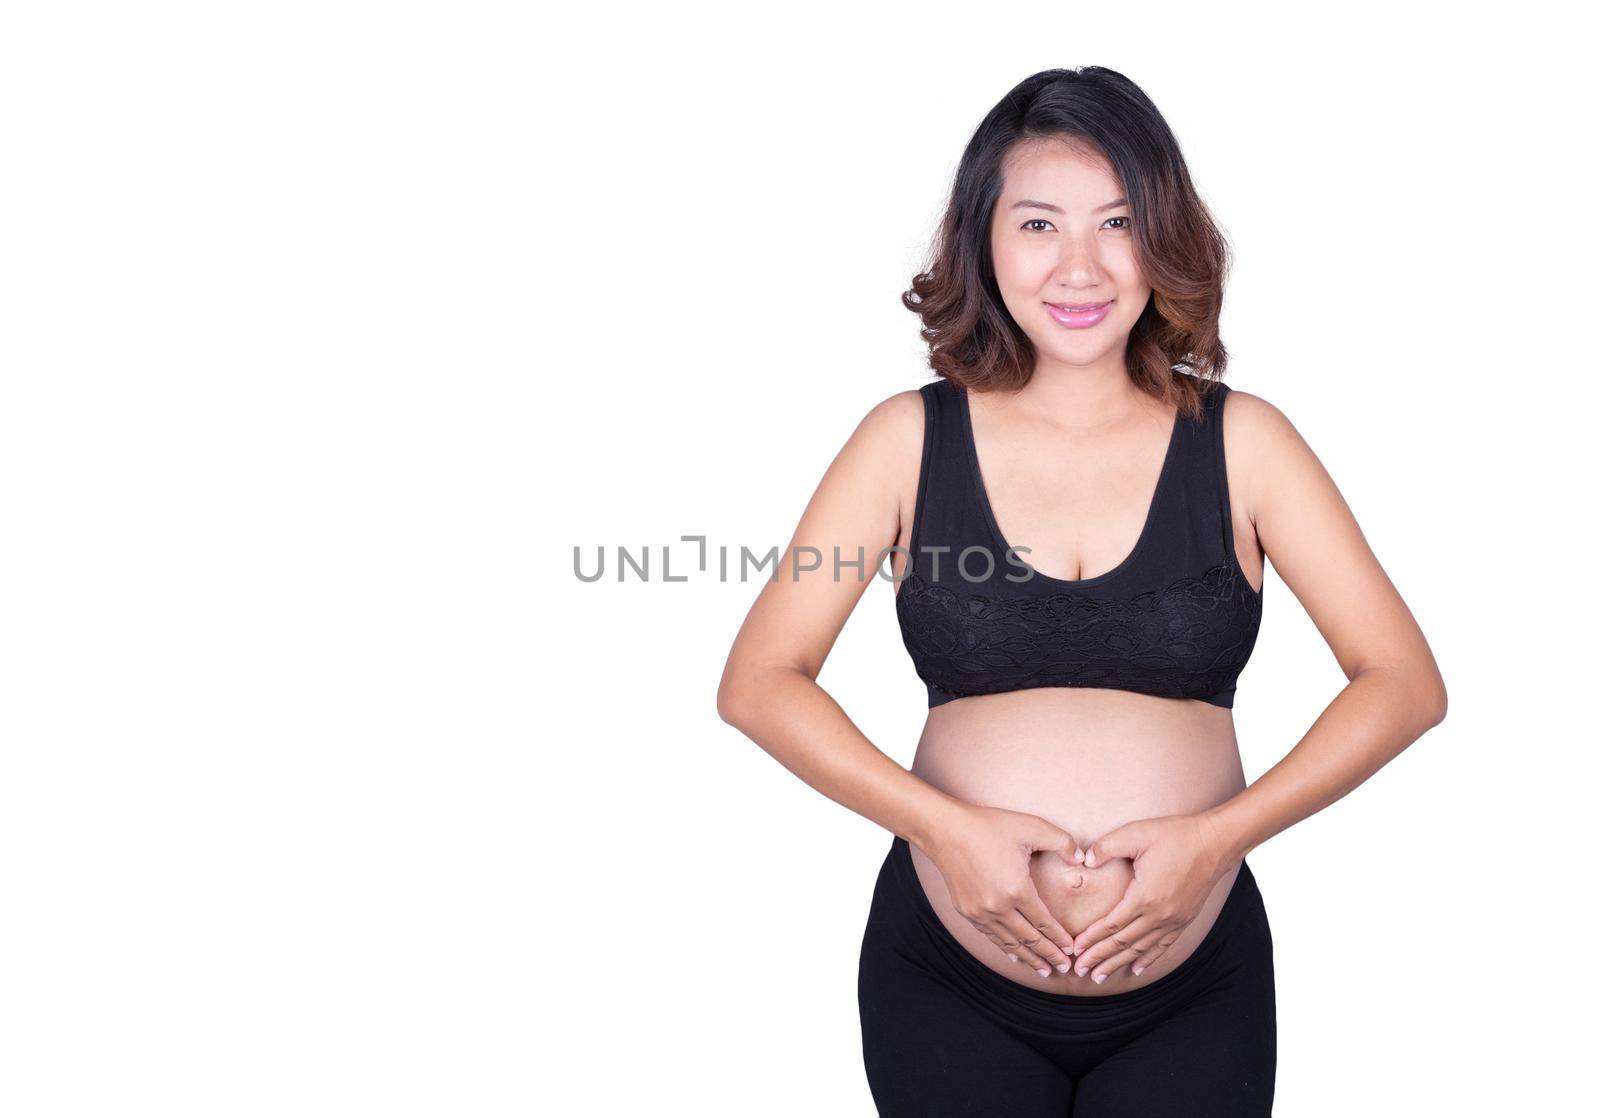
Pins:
x,y
1087,760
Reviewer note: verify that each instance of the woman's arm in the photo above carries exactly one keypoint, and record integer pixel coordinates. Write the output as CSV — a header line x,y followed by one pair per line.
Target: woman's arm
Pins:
x,y
769,689
1395,693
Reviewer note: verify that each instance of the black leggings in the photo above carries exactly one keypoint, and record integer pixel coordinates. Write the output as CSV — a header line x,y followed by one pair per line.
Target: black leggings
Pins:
x,y
945,1035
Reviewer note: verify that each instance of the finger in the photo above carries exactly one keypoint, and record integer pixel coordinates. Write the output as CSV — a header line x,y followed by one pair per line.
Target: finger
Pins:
x,y
1129,955
1003,942
1054,942
1029,940
1126,841
1053,838
1126,910
1112,965
1154,953
1117,949
994,937
1116,939
1008,941
1037,940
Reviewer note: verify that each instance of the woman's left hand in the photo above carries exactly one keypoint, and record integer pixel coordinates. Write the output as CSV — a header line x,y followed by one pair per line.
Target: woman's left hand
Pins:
x,y
1177,859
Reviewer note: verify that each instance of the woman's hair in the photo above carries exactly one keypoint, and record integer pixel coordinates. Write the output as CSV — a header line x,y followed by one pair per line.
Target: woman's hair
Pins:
x,y
972,338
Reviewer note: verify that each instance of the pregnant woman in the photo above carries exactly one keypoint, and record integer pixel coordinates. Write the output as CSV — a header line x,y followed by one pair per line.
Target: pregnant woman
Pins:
x,y
1077,515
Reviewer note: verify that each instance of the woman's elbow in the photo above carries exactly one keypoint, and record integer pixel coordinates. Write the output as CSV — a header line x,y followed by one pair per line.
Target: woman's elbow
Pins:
x,y
1417,696
728,700
736,693
729,694
1441,702
1431,699
746,689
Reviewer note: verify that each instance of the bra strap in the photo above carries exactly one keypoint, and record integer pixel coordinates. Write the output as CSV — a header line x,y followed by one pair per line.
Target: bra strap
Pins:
x,y
1219,397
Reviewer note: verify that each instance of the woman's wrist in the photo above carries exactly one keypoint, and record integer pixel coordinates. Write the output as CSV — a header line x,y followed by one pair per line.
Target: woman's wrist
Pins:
x,y
936,815
1230,825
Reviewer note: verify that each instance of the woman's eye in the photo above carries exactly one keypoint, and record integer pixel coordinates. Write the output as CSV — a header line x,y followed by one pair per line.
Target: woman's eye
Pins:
x,y
1032,224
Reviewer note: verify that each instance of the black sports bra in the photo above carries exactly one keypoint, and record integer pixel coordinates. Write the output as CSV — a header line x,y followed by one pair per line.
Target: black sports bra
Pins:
x,y
1176,618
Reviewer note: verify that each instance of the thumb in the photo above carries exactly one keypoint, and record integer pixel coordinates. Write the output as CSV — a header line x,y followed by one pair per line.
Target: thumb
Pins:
x,y
1119,842
1047,836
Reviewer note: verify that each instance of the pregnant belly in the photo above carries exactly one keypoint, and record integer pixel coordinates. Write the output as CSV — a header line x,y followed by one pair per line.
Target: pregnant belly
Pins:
x,y
1087,761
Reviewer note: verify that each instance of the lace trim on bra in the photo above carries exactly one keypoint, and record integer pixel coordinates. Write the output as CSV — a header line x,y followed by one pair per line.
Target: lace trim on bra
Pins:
x,y
1188,640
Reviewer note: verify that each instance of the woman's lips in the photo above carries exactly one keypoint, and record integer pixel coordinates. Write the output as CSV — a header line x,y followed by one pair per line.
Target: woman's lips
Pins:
x,y
1080,318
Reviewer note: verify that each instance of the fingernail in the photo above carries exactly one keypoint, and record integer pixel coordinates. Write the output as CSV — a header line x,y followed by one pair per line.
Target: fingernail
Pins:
x,y
1077,855
1064,968
1138,970
1082,971
1088,859
1044,972
1012,957
1099,978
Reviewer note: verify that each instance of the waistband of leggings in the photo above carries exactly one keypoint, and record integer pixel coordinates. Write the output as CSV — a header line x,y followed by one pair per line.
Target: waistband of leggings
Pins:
x,y
1170,985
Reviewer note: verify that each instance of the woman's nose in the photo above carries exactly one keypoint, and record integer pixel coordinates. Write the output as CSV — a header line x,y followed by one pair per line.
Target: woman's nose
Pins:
x,y
1076,272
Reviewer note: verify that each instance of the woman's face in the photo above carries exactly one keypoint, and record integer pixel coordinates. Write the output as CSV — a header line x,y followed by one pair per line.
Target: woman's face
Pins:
x,y
1062,238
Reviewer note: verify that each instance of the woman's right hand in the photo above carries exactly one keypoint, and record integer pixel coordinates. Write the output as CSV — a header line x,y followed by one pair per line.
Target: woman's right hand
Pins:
x,y
985,855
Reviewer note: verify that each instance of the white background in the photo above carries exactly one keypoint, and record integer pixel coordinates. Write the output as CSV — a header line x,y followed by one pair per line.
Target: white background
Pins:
x,y
330,330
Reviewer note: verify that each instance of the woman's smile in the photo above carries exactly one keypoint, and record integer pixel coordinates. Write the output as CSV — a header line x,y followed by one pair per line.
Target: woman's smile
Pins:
x,y
1079,319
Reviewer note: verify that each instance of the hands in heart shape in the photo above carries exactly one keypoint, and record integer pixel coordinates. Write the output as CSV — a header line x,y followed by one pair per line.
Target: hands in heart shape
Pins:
x,y
1059,907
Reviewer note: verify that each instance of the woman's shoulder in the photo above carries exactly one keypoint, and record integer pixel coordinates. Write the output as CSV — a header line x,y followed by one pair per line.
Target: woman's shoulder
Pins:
x,y
893,425
1254,425
886,444
1262,447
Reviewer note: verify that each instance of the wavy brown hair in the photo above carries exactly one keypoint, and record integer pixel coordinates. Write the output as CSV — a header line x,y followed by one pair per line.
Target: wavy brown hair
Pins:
x,y
1174,351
